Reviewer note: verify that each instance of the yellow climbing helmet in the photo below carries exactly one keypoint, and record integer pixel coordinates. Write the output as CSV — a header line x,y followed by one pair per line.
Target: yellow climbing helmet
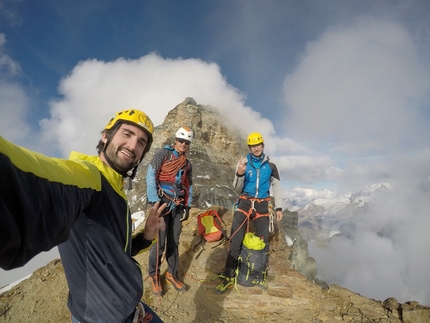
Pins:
x,y
255,138
134,116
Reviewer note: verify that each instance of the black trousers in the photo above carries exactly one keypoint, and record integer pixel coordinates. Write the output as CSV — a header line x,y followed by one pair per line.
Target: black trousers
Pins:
x,y
169,239
239,228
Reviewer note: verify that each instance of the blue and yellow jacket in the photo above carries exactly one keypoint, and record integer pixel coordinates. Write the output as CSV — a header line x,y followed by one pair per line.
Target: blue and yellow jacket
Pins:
x,y
80,205
260,177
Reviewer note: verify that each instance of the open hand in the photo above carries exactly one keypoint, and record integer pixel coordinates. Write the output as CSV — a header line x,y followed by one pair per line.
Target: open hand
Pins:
x,y
155,221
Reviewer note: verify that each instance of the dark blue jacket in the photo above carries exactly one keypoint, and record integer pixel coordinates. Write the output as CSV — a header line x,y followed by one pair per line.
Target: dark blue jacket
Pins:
x,y
80,204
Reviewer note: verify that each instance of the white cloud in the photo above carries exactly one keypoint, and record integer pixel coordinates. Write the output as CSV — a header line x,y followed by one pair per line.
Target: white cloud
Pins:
x,y
308,168
12,118
362,85
384,254
8,67
394,231
301,196
95,90
13,100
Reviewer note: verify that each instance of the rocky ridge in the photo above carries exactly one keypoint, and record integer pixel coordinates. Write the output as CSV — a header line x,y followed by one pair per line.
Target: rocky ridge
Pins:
x,y
294,293
213,154
290,296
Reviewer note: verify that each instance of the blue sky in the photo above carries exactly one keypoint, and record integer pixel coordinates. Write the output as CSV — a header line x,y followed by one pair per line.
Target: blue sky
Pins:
x,y
334,86
340,90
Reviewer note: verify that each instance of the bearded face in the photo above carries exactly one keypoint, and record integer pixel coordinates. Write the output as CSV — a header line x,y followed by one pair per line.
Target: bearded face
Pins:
x,y
126,147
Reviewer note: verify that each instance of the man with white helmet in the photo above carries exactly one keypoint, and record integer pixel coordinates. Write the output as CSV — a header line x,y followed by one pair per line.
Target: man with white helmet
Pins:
x,y
80,204
169,180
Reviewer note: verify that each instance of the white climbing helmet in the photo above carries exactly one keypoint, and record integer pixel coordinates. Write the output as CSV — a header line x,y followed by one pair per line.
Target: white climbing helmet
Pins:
x,y
184,133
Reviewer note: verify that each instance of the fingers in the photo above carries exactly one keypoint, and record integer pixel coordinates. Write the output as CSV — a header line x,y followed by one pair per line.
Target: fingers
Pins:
x,y
157,209
242,166
155,221
158,213
161,223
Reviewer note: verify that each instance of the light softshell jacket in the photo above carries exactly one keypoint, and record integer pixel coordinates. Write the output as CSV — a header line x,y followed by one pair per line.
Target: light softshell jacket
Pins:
x,y
260,176
80,204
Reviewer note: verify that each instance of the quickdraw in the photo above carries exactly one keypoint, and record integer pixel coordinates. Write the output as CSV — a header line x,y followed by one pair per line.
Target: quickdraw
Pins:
x,y
271,218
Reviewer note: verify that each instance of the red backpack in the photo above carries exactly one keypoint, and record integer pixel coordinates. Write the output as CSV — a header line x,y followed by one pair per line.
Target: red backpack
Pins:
x,y
210,226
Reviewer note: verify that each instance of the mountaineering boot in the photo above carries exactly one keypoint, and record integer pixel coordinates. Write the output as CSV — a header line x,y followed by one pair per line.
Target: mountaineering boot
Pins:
x,y
172,280
224,285
156,286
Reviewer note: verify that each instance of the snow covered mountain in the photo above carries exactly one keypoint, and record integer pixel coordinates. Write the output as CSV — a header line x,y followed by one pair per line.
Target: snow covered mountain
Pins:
x,y
323,218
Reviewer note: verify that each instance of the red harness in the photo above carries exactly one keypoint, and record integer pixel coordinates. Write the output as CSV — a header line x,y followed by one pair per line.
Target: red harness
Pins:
x,y
252,209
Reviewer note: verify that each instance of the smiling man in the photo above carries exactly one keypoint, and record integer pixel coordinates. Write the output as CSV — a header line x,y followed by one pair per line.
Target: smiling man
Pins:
x,y
80,205
169,180
254,178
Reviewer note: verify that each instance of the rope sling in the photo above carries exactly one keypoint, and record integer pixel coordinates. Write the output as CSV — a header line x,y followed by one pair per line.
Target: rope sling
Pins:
x,y
167,173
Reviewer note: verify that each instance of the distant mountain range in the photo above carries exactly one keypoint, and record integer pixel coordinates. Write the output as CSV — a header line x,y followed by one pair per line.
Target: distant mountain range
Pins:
x,y
325,217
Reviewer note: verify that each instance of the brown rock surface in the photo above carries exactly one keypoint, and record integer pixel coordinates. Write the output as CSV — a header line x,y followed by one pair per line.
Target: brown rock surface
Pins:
x,y
290,297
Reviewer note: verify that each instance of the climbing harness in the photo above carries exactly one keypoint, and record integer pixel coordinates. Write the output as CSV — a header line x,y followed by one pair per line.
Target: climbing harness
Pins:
x,y
252,212
174,199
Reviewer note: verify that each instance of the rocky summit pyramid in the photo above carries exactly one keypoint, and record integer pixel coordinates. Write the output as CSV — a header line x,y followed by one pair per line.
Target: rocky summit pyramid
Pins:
x,y
294,292
214,152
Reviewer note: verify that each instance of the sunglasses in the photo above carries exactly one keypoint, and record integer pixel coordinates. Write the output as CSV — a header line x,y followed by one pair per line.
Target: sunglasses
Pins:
x,y
181,141
255,146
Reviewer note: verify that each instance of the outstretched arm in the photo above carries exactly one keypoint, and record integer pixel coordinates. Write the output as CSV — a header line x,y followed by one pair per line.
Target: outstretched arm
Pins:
x,y
40,199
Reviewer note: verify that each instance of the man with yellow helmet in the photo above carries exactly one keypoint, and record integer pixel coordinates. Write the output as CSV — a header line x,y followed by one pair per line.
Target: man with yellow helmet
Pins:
x,y
255,176
80,205
131,117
